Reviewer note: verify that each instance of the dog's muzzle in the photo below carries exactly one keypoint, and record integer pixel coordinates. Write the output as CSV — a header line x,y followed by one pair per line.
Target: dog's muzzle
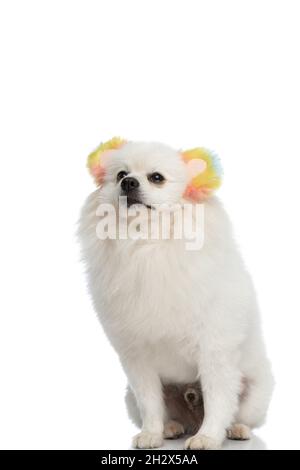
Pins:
x,y
130,188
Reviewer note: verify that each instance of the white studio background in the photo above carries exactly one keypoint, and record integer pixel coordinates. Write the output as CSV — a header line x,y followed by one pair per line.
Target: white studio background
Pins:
x,y
224,75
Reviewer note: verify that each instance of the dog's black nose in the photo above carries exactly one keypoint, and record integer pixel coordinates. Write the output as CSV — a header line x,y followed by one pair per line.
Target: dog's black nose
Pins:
x,y
129,184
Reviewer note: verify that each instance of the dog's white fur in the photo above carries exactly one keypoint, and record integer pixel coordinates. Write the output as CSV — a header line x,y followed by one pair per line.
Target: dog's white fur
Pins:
x,y
175,315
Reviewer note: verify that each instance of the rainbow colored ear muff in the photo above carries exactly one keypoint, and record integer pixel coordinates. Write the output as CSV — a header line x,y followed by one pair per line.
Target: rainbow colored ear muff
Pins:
x,y
205,173
95,159
203,168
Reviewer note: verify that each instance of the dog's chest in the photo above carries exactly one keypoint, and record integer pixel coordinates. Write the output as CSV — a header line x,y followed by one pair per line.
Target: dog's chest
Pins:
x,y
152,296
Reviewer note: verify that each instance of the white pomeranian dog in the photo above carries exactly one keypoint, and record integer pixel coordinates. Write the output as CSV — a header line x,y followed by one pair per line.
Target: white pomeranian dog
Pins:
x,y
175,315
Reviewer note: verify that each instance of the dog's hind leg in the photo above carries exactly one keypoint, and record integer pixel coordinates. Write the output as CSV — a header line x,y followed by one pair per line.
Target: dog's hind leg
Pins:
x,y
256,397
239,432
173,430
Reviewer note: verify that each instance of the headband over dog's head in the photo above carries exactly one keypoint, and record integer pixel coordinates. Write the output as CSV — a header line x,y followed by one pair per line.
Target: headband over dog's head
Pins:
x,y
203,168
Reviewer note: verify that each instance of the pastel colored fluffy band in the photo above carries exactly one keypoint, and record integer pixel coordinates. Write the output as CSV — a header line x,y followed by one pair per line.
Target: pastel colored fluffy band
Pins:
x,y
204,168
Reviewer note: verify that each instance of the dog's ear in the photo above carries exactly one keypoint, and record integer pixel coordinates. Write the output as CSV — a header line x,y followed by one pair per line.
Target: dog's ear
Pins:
x,y
95,162
204,171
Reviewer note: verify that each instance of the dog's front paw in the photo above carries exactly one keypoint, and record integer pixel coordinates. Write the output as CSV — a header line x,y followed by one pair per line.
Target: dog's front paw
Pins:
x,y
201,442
147,440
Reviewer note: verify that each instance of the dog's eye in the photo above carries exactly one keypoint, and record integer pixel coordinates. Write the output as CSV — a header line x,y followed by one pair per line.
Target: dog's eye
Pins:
x,y
156,178
121,175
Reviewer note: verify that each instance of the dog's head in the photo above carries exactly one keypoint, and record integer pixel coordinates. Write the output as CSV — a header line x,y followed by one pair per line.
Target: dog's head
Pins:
x,y
152,174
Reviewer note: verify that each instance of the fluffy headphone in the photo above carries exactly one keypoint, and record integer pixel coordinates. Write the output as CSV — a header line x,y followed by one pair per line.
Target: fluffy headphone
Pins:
x,y
203,166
